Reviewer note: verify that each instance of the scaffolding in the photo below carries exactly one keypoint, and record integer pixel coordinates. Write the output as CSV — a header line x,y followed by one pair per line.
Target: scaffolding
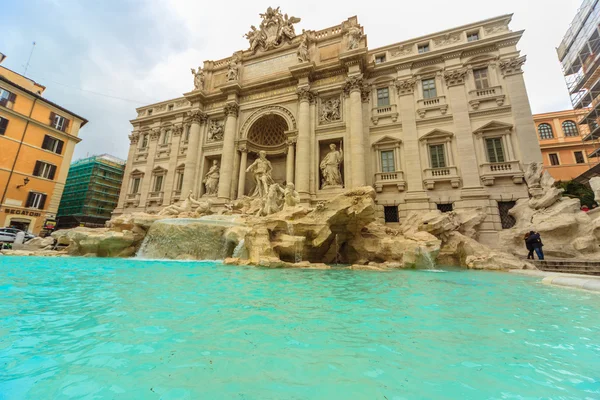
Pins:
x,y
91,191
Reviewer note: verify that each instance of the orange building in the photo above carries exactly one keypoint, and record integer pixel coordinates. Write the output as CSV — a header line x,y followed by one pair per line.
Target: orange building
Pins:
x,y
564,153
37,139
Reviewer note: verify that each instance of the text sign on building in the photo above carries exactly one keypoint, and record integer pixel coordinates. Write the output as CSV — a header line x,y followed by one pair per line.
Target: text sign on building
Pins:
x,y
22,212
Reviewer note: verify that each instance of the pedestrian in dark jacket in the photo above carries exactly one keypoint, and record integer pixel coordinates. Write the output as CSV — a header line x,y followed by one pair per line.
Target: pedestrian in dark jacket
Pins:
x,y
535,241
529,248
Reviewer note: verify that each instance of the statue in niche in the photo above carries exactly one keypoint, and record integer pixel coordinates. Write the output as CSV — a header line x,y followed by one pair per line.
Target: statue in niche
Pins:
x,y
198,78
232,69
185,206
261,169
302,52
330,110
330,167
215,131
354,35
290,196
211,179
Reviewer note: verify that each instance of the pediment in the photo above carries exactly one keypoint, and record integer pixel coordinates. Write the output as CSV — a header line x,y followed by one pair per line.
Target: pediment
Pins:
x,y
493,126
159,169
437,134
387,141
136,172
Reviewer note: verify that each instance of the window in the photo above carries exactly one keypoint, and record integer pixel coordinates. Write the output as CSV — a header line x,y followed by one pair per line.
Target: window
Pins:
x,y
44,170
445,207
187,134
158,181
53,144
494,149
7,98
570,128
507,220
179,181
472,36
383,97
390,213
423,48
135,185
144,141
59,122
481,78
437,156
3,125
36,200
429,90
380,59
165,136
170,107
387,161
149,112
579,159
553,159
545,131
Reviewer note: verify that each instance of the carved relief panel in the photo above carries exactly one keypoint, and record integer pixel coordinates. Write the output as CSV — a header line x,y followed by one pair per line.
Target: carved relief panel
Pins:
x,y
330,109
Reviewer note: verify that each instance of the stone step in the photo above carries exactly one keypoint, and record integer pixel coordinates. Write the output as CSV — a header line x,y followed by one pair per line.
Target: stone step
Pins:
x,y
569,266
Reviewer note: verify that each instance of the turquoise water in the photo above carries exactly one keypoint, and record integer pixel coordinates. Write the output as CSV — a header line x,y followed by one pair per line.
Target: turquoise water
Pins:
x,y
122,329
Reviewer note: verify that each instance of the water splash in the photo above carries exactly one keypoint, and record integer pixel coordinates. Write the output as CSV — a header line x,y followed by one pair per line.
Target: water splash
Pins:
x,y
297,243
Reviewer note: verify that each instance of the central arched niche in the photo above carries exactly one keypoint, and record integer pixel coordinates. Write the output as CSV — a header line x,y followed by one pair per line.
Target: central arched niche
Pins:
x,y
268,133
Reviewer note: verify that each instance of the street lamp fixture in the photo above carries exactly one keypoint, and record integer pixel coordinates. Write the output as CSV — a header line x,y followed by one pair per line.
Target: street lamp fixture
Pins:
x,y
25,182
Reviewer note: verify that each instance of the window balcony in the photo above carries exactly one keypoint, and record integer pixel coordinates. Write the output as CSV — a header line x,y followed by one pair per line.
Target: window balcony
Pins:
x,y
132,200
155,198
510,169
495,93
163,150
436,175
395,178
141,154
432,104
176,195
384,111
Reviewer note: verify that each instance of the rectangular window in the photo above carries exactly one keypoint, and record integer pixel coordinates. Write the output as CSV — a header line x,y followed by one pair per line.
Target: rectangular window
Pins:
x,y
472,36
144,141
507,220
579,159
429,90
36,200
383,97
7,99
390,214
495,150
423,48
44,170
380,59
481,78
445,207
3,125
158,181
387,161
553,159
179,181
59,122
170,107
135,185
53,144
437,156
165,137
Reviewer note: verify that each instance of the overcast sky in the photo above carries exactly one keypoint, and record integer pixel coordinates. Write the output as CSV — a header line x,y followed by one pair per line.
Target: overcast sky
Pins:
x,y
137,52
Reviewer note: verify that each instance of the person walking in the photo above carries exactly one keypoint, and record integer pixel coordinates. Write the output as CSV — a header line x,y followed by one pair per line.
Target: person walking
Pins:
x,y
529,247
535,241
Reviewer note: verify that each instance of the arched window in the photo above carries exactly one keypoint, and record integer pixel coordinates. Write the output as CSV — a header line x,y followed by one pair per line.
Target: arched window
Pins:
x,y
570,128
545,131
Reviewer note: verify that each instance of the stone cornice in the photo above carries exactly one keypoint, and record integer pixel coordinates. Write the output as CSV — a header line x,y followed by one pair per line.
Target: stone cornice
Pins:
x,y
512,66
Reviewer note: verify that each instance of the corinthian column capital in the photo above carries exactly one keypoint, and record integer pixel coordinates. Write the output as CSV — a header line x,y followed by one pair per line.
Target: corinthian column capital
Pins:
x,y
304,94
196,116
232,109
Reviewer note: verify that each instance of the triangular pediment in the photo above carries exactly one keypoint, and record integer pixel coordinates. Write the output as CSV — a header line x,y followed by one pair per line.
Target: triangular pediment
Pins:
x,y
136,172
436,134
387,140
158,169
493,126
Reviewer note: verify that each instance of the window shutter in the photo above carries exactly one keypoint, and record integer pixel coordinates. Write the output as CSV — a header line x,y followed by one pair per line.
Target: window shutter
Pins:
x,y
29,199
45,143
12,97
52,172
52,116
65,125
3,125
36,169
59,147
42,202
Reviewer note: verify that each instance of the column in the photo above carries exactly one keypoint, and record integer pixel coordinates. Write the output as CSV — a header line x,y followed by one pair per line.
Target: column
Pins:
x,y
242,176
170,178
289,162
235,175
228,155
528,145
303,146
353,88
147,180
196,118
133,140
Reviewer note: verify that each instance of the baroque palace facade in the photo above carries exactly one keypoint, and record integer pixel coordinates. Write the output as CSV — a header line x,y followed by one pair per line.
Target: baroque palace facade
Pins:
x,y
441,121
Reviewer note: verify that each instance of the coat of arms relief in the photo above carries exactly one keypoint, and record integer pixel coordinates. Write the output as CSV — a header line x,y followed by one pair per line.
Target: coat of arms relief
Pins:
x,y
275,29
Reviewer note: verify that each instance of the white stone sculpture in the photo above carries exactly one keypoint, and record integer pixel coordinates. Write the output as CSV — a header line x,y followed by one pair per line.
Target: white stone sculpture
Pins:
x,y
216,131
255,37
232,69
595,185
274,200
290,196
261,170
211,179
354,35
330,110
275,29
302,52
330,167
185,206
198,78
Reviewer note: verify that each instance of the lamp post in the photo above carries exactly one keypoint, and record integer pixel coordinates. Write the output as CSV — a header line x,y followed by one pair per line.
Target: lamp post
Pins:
x,y
25,182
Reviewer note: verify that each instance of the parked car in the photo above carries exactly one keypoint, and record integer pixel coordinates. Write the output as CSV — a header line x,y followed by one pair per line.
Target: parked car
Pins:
x,y
8,235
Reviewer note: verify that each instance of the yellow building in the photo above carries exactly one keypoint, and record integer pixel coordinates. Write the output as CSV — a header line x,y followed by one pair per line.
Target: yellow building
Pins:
x,y
37,139
564,153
